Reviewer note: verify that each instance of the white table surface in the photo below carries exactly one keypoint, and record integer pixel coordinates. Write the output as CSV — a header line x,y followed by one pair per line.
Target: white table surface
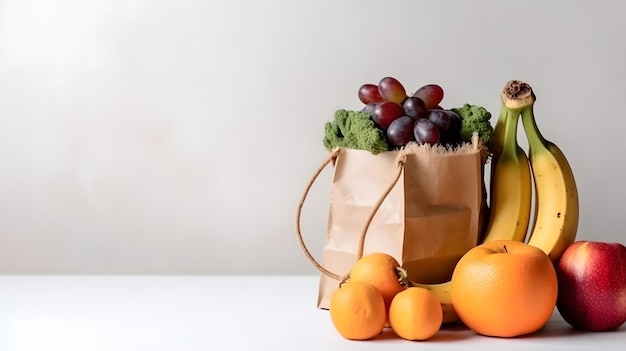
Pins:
x,y
217,313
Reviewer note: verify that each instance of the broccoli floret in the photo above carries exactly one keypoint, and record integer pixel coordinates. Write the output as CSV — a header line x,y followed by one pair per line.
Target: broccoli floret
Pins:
x,y
474,119
354,130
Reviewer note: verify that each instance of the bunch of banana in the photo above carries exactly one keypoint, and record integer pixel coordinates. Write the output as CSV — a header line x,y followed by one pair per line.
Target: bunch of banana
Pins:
x,y
556,196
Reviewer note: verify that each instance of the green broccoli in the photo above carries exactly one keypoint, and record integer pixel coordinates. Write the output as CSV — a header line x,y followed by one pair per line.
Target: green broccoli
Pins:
x,y
474,119
354,130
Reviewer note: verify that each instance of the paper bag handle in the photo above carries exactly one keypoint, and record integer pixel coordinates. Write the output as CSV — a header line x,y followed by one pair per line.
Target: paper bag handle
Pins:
x,y
331,158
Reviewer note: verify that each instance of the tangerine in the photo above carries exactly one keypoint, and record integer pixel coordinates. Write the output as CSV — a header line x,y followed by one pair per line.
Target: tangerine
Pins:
x,y
504,288
382,271
357,311
415,314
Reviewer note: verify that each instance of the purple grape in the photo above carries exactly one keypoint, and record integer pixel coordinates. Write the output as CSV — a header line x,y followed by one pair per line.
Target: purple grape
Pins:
x,y
369,108
455,120
426,132
452,136
414,107
431,94
440,119
400,131
391,90
368,93
386,112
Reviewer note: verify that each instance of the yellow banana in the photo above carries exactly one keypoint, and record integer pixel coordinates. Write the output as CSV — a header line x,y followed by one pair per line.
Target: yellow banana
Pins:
x,y
556,220
441,290
511,189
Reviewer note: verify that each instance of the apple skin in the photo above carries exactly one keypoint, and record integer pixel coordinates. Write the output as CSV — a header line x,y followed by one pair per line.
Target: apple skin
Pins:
x,y
592,285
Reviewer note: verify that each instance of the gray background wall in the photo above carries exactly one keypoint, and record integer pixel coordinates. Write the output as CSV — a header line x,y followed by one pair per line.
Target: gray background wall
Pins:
x,y
176,136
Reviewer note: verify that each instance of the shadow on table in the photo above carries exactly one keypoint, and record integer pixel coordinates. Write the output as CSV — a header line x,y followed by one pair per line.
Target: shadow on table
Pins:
x,y
448,333
458,332
555,329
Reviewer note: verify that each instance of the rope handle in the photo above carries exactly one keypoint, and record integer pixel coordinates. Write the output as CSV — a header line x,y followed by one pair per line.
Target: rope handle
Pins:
x,y
331,158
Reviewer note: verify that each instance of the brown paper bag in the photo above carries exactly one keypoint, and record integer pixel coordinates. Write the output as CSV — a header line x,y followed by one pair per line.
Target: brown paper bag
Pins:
x,y
423,205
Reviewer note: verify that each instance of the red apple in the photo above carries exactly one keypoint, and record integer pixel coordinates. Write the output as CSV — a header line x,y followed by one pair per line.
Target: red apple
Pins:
x,y
592,285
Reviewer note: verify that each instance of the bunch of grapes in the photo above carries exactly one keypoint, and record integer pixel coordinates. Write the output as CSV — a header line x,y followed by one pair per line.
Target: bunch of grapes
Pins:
x,y
404,118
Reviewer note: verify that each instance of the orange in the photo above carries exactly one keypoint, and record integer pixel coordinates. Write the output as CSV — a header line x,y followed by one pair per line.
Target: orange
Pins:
x,y
504,288
382,271
357,311
415,314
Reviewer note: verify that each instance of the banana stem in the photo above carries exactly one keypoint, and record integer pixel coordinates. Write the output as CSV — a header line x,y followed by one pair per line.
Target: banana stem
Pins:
x,y
498,133
510,134
536,141
516,95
